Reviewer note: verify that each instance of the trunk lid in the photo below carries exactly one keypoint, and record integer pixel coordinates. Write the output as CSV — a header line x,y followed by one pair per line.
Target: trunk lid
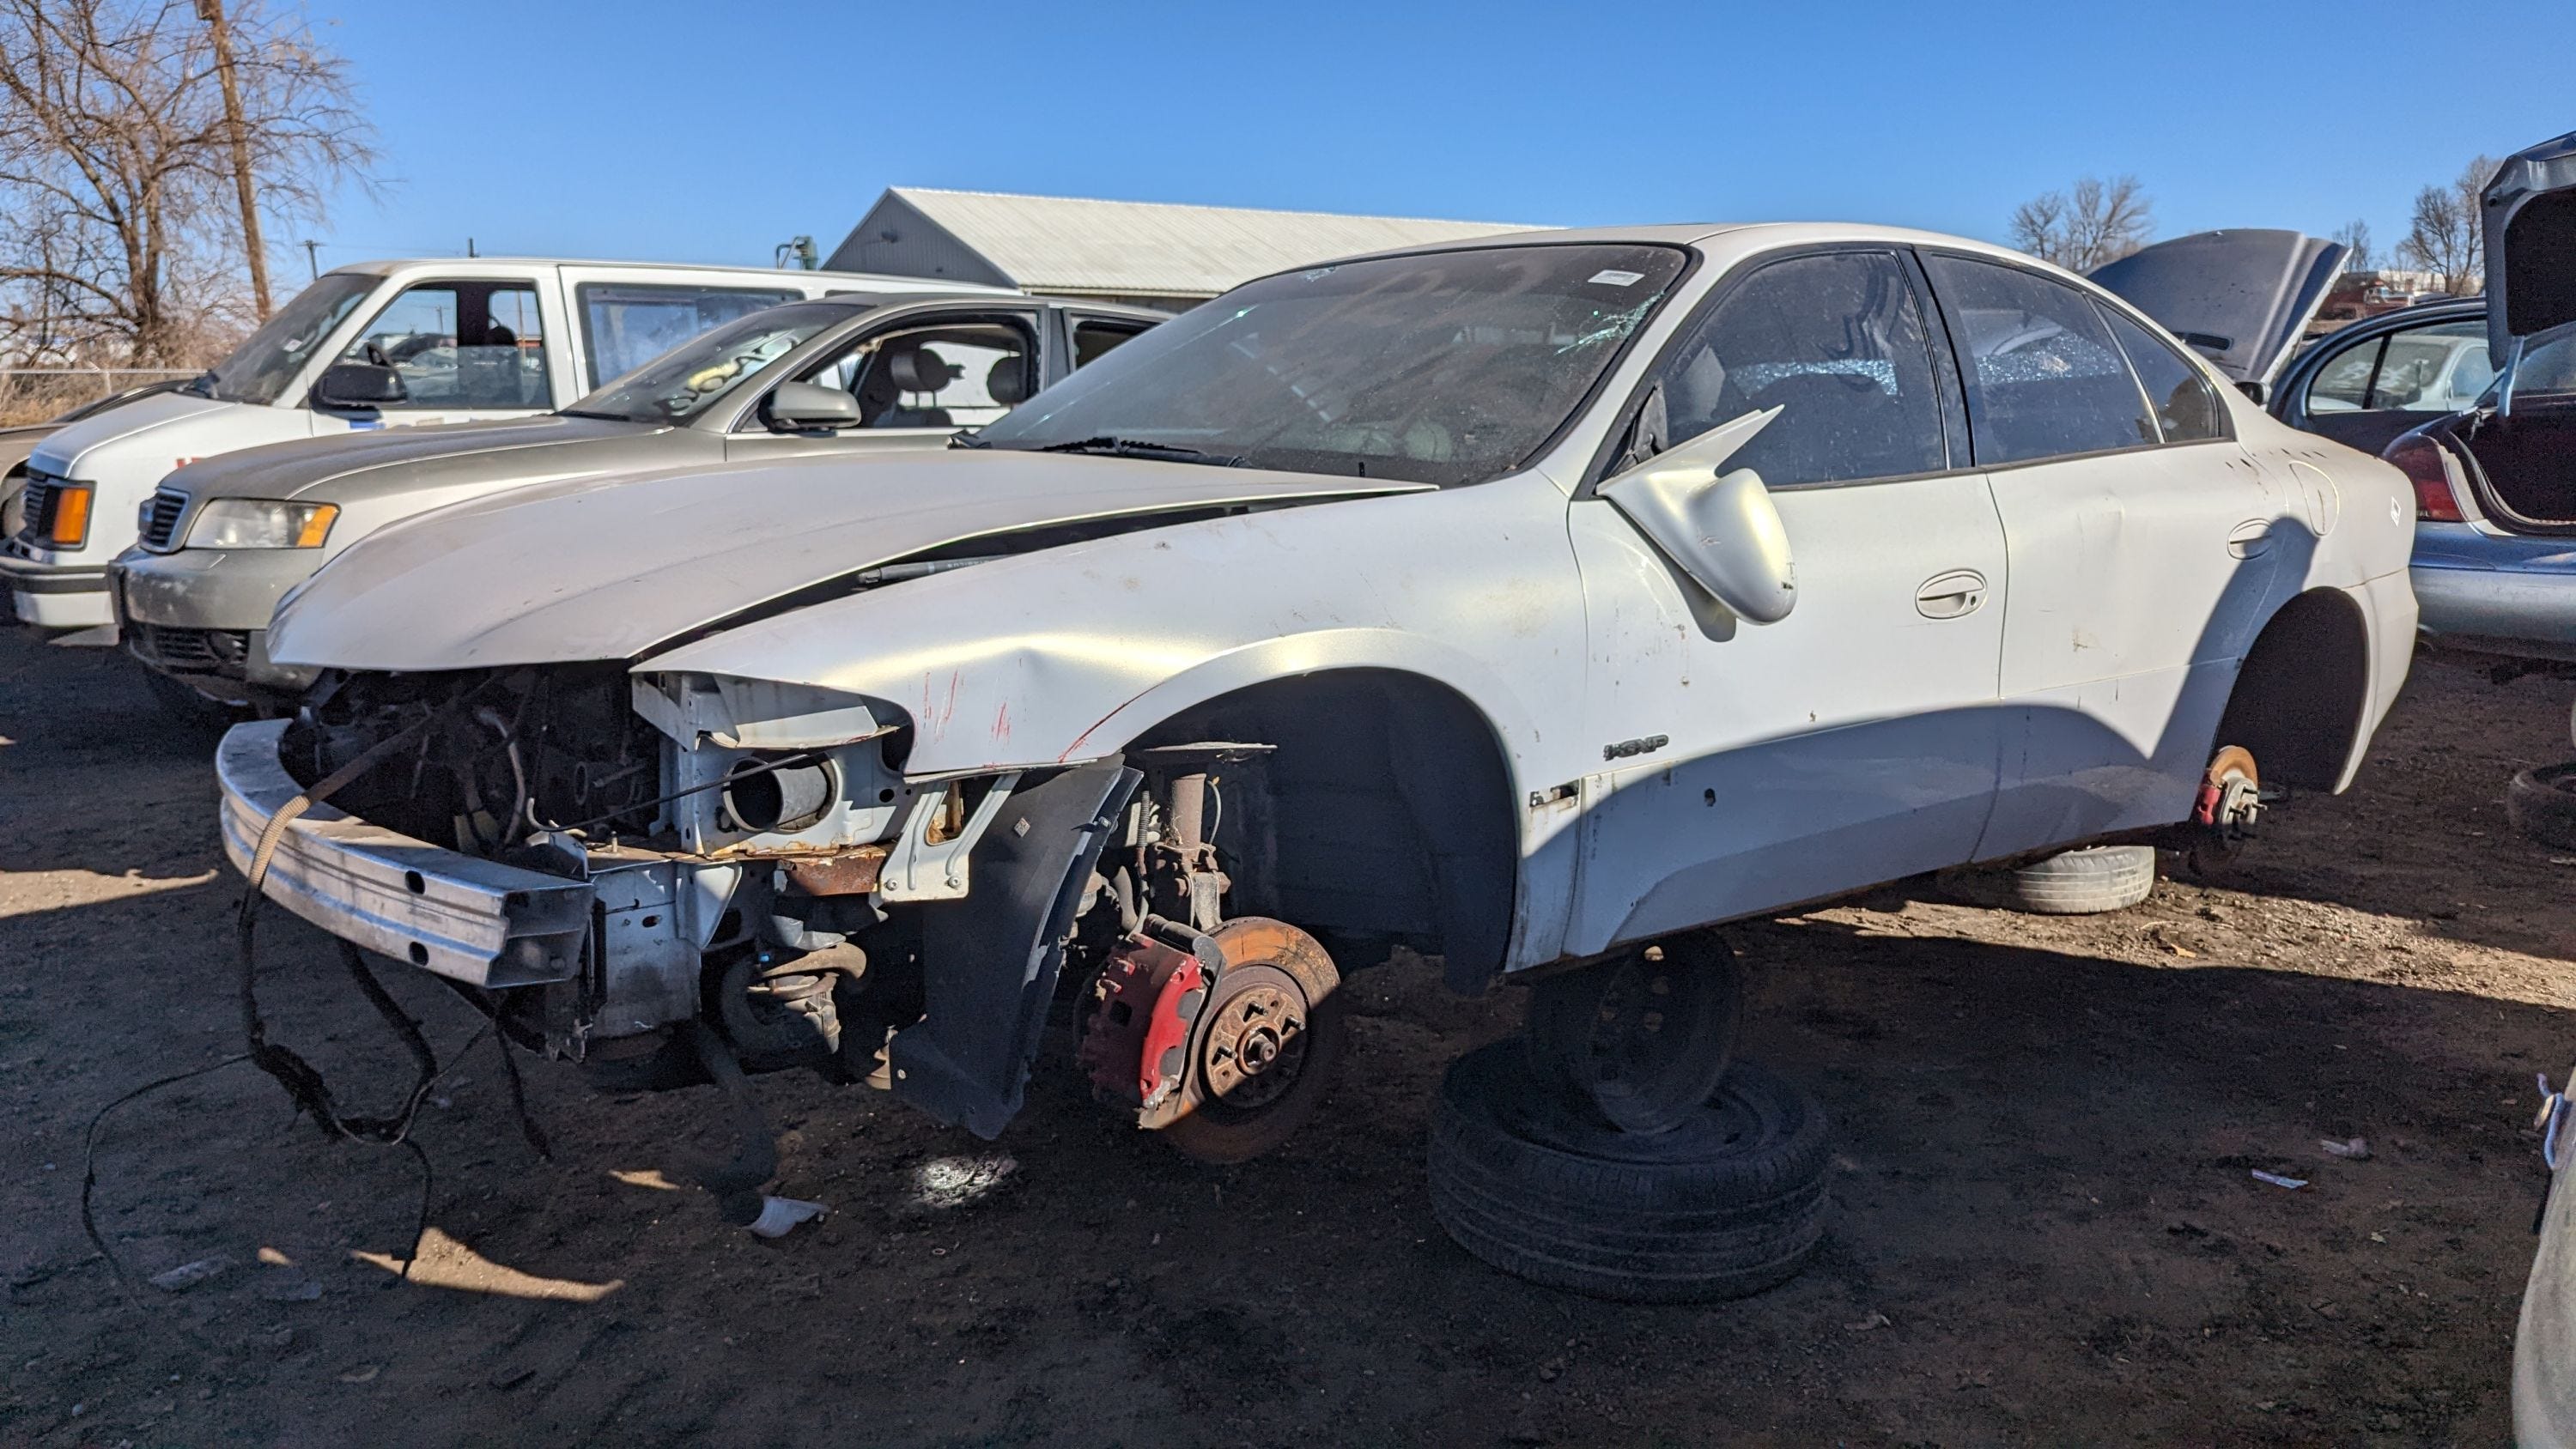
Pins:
x,y
2528,214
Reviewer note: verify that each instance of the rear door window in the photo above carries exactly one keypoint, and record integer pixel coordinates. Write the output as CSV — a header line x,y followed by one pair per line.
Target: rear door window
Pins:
x,y
461,347
2044,377
1094,338
1838,343
628,324
2186,406
2436,369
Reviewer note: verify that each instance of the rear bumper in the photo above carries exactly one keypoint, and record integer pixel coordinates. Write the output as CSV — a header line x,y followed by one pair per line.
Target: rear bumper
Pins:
x,y
473,920
2490,595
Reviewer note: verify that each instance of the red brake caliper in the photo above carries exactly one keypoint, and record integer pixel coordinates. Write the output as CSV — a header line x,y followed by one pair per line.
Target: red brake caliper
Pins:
x,y
1136,1046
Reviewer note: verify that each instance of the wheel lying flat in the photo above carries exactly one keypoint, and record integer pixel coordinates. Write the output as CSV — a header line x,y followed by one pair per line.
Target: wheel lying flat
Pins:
x,y
1727,1203
1262,1053
1644,1039
2071,883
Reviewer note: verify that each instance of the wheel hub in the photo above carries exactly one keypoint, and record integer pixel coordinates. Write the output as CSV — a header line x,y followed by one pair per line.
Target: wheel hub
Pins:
x,y
1256,1039
1645,1039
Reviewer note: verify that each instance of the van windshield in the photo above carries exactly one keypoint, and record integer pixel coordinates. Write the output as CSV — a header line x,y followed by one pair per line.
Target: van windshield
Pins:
x,y
1442,368
259,370
694,376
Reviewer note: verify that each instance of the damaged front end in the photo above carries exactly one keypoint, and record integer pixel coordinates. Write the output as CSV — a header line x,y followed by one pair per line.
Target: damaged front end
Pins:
x,y
629,863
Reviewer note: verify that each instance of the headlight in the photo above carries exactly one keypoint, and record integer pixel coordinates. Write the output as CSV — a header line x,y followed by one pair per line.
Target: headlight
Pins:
x,y
261,523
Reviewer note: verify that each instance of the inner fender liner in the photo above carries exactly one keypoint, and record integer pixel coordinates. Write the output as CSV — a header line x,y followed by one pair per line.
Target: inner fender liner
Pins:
x,y
989,961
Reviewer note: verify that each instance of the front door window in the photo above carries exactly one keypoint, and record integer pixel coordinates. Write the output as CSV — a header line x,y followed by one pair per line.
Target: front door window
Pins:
x,y
949,374
461,347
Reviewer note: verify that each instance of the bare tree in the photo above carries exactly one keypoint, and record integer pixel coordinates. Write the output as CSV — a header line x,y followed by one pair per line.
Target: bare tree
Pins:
x,y
2442,234
2439,237
2098,221
2355,237
121,215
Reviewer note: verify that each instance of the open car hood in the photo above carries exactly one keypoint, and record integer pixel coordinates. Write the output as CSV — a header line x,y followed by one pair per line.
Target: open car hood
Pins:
x,y
592,569
2528,212
2242,298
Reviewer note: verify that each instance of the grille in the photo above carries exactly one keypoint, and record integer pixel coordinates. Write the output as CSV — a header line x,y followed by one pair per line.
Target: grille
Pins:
x,y
207,650
38,501
161,523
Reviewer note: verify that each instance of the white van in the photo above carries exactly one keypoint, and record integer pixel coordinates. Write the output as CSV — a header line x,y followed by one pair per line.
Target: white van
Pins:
x,y
378,344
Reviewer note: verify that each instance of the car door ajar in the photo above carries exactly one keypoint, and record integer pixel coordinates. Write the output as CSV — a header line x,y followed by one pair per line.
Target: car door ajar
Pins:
x,y
1751,766
2144,543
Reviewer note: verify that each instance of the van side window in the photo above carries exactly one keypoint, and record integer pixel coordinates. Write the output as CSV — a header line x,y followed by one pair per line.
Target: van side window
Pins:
x,y
461,347
2044,378
628,324
1837,342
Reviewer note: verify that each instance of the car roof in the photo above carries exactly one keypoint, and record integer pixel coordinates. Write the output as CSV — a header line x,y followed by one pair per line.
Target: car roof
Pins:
x,y
471,267
1726,242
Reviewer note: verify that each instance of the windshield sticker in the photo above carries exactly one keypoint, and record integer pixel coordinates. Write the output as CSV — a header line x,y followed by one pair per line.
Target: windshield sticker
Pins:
x,y
1617,278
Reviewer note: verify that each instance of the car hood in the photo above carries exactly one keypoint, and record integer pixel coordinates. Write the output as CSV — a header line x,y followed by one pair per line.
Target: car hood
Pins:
x,y
395,460
2242,298
611,569
60,454
2528,212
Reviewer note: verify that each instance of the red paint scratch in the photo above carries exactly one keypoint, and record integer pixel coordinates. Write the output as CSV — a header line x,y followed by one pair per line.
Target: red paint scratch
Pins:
x,y
1002,721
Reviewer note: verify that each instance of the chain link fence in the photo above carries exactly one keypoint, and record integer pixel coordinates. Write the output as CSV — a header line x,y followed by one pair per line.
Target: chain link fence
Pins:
x,y
33,394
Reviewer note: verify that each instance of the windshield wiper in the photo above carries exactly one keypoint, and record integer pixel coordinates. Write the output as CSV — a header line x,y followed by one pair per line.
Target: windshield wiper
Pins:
x,y
202,385
1135,448
966,440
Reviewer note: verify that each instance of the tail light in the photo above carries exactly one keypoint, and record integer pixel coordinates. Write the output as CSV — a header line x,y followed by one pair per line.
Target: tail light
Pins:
x,y
2424,464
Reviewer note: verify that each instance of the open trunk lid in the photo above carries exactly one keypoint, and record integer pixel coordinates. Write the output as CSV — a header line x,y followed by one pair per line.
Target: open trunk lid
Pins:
x,y
2242,298
2528,212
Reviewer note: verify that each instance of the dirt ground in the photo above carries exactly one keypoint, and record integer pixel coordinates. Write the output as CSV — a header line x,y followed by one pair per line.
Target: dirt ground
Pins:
x,y
2046,1233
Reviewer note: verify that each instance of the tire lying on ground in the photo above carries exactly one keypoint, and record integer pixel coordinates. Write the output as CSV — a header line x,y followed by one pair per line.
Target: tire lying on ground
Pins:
x,y
1729,1203
2072,883
2541,803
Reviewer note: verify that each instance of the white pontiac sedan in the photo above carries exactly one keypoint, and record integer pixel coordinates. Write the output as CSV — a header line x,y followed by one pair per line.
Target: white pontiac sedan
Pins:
x,y
1532,601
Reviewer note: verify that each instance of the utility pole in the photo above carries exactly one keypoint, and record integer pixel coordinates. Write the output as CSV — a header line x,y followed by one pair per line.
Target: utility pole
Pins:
x,y
212,12
313,258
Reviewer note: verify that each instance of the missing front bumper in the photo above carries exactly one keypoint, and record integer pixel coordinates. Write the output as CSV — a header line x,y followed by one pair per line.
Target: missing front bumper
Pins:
x,y
476,921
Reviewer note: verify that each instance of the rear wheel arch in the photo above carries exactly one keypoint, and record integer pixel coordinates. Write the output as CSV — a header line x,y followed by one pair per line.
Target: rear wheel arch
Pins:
x,y
1385,813
2302,691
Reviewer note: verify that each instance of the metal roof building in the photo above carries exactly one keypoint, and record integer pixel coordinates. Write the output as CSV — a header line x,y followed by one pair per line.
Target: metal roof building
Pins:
x,y
1152,253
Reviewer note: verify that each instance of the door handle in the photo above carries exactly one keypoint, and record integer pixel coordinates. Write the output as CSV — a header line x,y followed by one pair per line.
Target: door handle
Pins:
x,y
1953,595
2250,538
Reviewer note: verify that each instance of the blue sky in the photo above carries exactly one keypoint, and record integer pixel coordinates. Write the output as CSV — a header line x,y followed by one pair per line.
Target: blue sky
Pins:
x,y
710,133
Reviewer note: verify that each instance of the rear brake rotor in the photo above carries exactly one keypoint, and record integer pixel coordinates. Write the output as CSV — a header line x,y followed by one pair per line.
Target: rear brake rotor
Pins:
x,y
2230,804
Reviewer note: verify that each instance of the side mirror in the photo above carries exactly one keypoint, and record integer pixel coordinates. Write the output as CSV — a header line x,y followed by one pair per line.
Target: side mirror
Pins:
x,y
1721,530
359,387
2261,393
805,407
